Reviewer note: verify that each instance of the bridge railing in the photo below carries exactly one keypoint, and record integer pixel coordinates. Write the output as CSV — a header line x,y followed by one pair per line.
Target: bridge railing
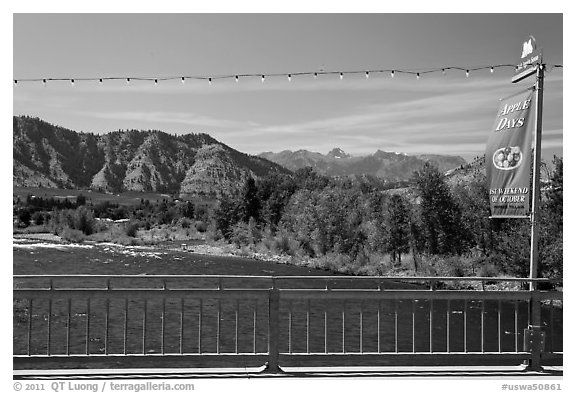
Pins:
x,y
80,321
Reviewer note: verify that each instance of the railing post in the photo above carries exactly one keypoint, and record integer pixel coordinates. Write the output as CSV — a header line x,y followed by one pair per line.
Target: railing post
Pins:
x,y
534,336
273,329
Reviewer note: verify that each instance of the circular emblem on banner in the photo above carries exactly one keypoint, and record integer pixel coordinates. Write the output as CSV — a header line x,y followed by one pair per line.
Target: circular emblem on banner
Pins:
x,y
507,158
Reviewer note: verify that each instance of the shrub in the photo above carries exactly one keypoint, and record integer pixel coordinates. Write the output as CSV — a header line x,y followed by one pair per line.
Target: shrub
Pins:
x,y
72,235
488,270
132,228
450,267
282,243
38,218
200,226
84,220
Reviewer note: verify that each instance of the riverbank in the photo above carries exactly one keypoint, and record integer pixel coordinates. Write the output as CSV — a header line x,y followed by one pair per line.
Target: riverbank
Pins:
x,y
329,264
196,246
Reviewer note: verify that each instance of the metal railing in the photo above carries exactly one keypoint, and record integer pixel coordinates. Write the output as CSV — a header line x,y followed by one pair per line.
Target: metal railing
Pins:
x,y
82,321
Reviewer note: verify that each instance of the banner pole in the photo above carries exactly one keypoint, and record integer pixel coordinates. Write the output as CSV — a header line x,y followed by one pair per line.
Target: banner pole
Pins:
x,y
535,216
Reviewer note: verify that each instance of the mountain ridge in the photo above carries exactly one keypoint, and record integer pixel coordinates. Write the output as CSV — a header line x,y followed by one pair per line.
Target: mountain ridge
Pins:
x,y
192,164
391,166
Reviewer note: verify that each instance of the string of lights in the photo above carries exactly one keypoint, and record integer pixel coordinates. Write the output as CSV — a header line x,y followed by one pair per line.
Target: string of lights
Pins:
x,y
289,76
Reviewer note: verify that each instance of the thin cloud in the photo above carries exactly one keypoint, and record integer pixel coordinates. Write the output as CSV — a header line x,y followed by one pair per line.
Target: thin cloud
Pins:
x,y
171,117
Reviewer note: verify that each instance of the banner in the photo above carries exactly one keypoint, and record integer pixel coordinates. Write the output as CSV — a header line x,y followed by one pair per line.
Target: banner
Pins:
x,y
509,158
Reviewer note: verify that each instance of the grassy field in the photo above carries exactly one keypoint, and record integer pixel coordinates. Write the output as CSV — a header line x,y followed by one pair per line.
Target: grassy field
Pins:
x,y
128,198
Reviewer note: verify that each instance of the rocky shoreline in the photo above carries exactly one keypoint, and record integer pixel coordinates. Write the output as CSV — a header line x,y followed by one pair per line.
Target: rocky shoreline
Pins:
x,y
224,250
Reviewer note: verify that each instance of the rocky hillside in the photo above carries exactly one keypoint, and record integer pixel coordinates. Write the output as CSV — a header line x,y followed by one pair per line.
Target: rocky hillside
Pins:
x,y
45,155
385,165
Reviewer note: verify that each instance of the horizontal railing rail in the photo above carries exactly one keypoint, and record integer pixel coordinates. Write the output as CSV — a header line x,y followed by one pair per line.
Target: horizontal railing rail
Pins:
x,y
197,320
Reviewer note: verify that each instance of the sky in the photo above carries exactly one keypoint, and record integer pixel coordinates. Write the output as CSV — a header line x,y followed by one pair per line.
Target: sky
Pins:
x,y
442,114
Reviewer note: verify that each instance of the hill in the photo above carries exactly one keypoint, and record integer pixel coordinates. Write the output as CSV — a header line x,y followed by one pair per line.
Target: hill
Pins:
x,y
191,165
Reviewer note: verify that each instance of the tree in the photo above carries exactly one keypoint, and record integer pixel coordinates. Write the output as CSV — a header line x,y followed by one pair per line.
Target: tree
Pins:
x,y
397,227
249,203
274,192
439,214
226,215
473,201
80,200
188,209
551,229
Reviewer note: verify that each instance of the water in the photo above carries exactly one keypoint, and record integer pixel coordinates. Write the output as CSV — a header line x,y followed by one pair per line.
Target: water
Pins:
x,y
33,257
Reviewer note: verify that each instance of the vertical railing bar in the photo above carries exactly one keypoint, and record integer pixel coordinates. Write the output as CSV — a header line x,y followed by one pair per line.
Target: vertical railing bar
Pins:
x,y
218,325
219,311
413,325
499,325
290,326
551,325
378,323
273,327
68,321
107,318
465,325
482,326
200,327
106,326
307,325
181,326
528,313
361,327
236,324
30,315
144,327
516,334
325,330
396,325
344,327
125,326
448,326
431,324
88,327
163,326
49,325
254,324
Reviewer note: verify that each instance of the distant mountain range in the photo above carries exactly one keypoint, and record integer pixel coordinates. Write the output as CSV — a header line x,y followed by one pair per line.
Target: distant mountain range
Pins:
x,y
385,165
191,165
196,165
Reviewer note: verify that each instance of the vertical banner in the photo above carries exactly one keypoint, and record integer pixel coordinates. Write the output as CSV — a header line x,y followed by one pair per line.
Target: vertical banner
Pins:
x,y
509,158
